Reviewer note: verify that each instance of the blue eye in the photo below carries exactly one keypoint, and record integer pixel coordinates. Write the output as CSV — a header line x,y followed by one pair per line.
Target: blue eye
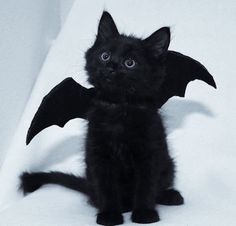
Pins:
x,y
129,63
105,56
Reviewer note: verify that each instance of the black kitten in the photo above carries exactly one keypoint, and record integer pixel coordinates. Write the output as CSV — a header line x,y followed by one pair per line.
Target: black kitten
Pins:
x,y
128,165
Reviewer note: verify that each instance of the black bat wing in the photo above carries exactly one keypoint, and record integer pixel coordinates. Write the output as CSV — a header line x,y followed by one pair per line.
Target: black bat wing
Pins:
x,y
70,100
181,70
64,102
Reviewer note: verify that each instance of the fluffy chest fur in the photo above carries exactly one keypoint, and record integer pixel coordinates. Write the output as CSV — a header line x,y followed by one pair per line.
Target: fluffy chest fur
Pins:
x,y
121,120
121,129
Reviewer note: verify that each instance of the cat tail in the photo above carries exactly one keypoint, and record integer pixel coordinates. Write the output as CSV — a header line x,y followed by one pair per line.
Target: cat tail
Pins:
x,y
33,181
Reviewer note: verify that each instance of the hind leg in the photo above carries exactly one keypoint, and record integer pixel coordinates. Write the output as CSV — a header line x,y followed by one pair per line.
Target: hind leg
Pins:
x,y
170,197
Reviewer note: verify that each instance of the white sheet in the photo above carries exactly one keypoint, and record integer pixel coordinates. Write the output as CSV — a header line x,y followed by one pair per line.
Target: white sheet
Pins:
x,y
200,127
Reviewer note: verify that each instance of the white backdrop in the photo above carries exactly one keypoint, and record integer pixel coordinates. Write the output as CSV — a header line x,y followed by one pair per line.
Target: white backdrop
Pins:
x,y
201,127
28,29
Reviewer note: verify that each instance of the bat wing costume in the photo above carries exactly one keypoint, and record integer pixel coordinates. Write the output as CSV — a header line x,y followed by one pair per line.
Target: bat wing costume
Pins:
x,y
69,100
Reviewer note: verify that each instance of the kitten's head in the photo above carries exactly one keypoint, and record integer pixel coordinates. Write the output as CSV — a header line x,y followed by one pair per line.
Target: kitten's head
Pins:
x,y
125,66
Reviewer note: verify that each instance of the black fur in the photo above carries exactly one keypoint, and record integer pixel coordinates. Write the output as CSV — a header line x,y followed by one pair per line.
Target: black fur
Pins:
x,y
128,165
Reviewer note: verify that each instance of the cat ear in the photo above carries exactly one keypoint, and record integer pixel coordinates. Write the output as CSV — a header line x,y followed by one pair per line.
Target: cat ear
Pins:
x,y
159,41
107,28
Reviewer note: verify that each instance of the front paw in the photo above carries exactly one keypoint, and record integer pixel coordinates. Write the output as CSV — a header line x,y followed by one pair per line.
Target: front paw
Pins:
x,y
145,216
109,218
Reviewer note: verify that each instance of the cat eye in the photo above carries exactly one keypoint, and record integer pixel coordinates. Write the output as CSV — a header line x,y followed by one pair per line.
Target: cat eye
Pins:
x,y
129,63
105,56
